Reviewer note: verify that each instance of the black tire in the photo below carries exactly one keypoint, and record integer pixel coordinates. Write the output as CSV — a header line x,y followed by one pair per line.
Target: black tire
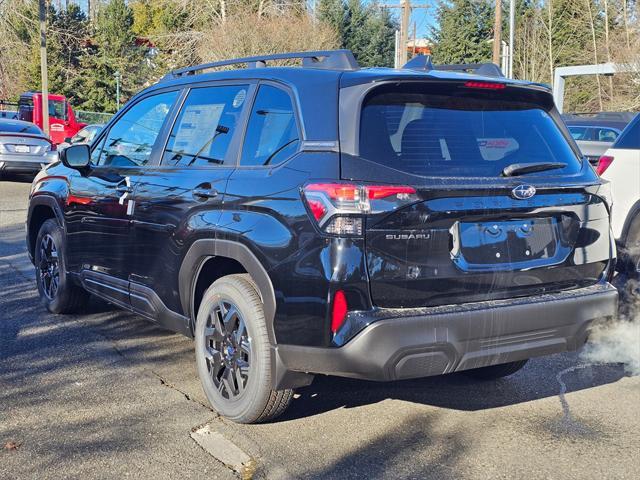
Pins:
x,y
631,250
494,372
233,357
57,291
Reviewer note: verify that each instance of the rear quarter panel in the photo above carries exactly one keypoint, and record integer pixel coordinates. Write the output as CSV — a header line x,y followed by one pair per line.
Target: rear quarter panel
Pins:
x,y
624,175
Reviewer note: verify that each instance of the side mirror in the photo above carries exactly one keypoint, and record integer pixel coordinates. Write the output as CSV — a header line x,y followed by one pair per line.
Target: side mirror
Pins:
x,y
67,140
76,156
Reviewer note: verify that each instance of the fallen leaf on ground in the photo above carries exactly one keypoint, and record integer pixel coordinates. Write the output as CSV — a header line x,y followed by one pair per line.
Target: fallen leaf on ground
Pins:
x,y
11,446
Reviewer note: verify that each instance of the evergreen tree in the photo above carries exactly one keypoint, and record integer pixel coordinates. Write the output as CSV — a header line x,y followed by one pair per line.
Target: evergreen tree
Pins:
x,y
67,47
367,30
463,31
333,13
115,50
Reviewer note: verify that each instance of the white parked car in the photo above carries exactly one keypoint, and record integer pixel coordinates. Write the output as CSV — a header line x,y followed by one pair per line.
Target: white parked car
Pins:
x,y
621,166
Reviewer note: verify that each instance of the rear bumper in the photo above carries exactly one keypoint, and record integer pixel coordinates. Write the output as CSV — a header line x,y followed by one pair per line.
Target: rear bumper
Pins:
x,y
27,163
411,343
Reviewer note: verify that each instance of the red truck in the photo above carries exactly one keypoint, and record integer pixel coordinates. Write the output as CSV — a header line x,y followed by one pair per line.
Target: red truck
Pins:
x,y
62,119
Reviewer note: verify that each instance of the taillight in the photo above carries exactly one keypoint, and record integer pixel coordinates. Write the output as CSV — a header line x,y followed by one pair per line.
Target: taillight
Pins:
x,y
338,207
339,311
484,85
603,164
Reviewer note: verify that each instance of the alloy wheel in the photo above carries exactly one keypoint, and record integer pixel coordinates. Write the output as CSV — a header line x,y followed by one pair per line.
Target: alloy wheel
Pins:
x,y
227,349
49,267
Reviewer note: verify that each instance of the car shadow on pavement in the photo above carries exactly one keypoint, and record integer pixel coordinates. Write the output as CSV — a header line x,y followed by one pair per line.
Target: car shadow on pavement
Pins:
x,y
454,391
416,447
17,177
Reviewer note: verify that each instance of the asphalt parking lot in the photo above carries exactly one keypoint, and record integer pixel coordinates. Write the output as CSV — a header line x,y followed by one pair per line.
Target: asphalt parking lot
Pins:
x,y
109,395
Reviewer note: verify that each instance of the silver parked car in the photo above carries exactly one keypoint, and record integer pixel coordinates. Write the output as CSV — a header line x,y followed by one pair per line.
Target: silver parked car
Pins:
x,y
594,135
24,148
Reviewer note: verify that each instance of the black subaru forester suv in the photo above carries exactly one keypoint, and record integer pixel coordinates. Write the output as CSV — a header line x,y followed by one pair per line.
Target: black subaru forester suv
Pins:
x,y
329,219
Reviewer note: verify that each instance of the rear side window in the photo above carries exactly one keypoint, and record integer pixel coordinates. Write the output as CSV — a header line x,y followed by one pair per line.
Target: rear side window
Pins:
x,y
630,137
449,130
205,126
605,135
272,135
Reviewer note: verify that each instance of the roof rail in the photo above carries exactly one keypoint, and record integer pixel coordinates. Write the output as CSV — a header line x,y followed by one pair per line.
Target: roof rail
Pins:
x,y
423,63
324,59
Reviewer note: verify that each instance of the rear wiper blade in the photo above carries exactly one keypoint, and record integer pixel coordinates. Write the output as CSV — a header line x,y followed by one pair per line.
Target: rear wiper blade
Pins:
x,y
520,168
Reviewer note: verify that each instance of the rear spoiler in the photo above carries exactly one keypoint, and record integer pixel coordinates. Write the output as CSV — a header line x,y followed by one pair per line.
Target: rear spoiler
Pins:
x,y
423,63
27,135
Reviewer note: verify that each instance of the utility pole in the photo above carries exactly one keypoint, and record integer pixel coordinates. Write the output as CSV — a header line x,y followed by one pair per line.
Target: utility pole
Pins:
x,y
405,19
497,33
512,34
43,66
413,53
404,29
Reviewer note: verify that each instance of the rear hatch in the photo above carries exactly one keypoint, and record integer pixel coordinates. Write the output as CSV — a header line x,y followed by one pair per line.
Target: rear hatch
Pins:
x,y
23,146
497,204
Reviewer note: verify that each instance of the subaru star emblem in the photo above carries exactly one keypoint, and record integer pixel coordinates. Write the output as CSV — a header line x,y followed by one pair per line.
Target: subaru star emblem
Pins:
x,y
523,192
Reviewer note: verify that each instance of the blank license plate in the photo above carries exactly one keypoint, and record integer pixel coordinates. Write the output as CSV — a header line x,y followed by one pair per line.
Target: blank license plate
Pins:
x,y
22,149
508,241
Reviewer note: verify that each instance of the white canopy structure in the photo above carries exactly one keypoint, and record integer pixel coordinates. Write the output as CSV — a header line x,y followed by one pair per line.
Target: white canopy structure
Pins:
x,y
561,73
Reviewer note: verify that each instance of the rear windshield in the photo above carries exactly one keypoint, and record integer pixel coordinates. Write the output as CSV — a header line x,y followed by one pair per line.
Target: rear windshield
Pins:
x,y
451,130
19,127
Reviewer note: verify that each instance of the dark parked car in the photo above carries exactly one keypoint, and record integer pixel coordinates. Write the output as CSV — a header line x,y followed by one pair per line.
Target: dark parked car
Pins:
x,y
10,114
326,219
24,148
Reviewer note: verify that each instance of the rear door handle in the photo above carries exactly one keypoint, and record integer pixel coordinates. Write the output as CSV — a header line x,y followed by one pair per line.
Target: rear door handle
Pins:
x,y
204,193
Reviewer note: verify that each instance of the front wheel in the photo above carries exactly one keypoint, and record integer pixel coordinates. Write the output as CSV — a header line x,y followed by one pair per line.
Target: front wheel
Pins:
x,y
57,292
494,372
233,353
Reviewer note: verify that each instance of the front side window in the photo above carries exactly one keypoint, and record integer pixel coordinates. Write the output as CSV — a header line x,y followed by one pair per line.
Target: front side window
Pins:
x,y
132,136
205,126
272,135
58,109
448,130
